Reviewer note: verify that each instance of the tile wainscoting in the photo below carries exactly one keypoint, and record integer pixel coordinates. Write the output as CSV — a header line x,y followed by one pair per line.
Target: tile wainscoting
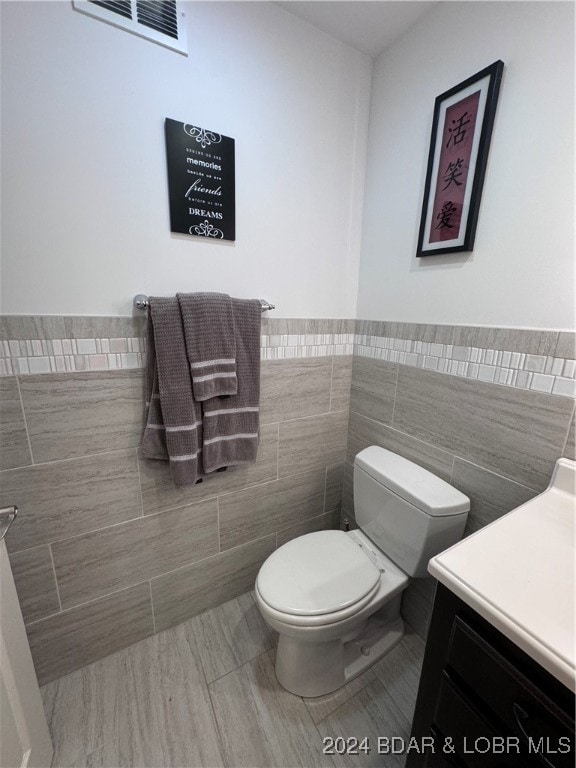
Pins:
x,y
487,409
106,551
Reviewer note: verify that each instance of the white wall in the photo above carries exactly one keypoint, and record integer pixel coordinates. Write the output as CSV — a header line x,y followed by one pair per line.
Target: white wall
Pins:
x,y
521,272
84,197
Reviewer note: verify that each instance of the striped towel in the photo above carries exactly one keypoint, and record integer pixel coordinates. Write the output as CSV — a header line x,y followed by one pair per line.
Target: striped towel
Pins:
x,y
230,424
173,426
210,341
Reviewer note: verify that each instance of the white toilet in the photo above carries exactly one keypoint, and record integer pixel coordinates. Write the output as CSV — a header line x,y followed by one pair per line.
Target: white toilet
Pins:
x,y
334,597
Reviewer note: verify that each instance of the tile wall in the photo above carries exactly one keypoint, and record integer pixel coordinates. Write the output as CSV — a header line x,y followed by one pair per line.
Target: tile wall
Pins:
x,y
488,409
105,551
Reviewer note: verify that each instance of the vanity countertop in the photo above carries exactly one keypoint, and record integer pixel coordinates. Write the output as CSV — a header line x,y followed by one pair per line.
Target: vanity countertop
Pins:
x,y
518,573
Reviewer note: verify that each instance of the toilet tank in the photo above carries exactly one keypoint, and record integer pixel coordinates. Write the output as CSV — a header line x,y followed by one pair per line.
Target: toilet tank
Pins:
x,y
408,512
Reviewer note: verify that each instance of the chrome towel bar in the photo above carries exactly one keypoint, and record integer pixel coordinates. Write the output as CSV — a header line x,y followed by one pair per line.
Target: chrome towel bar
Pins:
x,y
141,302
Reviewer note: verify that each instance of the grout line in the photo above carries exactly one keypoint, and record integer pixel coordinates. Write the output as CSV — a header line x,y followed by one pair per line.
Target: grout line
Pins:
x,y
395,394
55,581
565,443
218,523
92,601
25,422
74,458
495,474
278,451
372,679
217,554
152,607
331,384
452,470
216,498
139,482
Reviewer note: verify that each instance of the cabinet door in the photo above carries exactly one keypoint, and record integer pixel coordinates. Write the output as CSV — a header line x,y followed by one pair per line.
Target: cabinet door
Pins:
x,y
24,737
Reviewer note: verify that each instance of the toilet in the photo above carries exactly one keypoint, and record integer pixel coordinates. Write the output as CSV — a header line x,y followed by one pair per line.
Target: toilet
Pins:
x,y
333,596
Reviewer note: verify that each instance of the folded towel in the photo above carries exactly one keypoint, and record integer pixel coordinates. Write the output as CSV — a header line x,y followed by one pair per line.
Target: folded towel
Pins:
x,y
230,424
173,426
154,440
209,331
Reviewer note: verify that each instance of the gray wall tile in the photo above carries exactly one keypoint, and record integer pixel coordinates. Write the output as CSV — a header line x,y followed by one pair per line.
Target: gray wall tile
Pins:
x,y
31,327
281,326
14,448
67,498
312,443
334,479
364,432
538,342
293,388
85,327
373,388
264,509
437,334
363,327
516,433
106,561
179,595
323,522
491,495
83,413
341,382
566,346
348,491
159,491
75,638
35,583
327,325
570,448
417,602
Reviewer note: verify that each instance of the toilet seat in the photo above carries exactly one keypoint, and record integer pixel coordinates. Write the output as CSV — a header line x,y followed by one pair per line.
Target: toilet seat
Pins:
x,y
318,578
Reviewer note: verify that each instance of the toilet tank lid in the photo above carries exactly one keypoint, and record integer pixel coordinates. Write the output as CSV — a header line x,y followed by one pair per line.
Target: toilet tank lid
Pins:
x,y
411,482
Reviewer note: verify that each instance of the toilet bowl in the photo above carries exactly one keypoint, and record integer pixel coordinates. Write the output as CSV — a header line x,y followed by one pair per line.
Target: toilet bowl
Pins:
x,y
334,597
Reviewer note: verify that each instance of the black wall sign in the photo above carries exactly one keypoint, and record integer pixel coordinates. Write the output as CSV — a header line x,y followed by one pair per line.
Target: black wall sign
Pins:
x,y
200,181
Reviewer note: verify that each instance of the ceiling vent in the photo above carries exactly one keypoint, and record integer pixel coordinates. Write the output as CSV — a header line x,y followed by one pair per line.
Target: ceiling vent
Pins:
x,y
156,20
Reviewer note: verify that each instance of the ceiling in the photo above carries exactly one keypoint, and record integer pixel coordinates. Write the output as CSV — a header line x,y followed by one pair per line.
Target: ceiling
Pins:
x,y
369,27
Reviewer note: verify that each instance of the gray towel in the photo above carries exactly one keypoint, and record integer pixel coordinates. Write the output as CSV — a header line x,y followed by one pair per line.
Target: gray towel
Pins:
x,y
173,426
230,424
209,330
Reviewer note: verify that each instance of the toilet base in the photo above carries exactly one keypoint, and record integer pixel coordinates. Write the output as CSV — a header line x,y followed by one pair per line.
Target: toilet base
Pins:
x,y
313,669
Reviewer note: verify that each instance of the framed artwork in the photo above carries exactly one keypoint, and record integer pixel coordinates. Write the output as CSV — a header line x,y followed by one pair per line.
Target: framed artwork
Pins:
x,y
459,146
201,181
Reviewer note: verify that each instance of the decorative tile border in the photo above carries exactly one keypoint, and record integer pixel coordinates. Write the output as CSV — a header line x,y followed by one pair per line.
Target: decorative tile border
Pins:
x,y
35,356
302,339
541,373
287,347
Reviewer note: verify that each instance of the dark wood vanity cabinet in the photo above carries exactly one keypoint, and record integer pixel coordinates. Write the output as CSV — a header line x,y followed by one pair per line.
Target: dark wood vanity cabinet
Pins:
x,y
483,702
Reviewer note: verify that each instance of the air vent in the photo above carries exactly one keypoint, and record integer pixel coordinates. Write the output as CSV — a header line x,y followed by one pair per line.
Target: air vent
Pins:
x,y
122,7
160,16
156,20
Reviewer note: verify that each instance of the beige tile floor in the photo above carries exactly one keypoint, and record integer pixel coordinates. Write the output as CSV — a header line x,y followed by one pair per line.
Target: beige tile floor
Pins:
x,y
204,694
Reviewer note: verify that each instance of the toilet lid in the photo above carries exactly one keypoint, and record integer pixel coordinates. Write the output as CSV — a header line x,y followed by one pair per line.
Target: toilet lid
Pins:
x,y
318,573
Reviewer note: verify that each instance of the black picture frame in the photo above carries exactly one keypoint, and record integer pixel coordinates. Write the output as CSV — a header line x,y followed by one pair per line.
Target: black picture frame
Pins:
x,y
459,146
